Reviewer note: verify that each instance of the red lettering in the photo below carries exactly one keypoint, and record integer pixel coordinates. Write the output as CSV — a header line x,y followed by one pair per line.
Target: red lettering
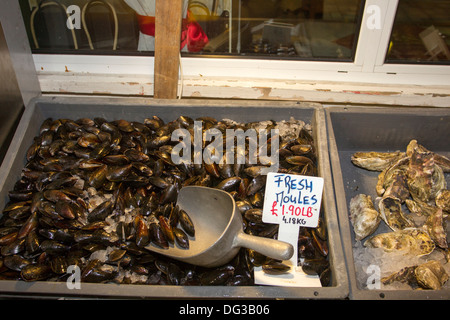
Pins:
x,y
309,212
273,210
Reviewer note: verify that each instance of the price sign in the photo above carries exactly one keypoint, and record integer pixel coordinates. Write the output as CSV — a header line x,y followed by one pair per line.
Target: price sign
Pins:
x,y
292,199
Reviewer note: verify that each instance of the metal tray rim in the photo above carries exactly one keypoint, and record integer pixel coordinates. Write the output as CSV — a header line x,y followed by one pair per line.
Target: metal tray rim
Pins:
x,y
339,291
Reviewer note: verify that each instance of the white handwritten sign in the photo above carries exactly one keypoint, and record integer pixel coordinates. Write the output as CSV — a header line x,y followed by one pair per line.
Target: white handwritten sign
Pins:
x,y
292,199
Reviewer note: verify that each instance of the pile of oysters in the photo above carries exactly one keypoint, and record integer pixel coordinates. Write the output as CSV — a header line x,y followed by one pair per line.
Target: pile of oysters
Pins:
x,y
411,182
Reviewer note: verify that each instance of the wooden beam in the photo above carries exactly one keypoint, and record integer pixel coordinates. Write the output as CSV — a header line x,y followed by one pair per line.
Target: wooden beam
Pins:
x,y
168,15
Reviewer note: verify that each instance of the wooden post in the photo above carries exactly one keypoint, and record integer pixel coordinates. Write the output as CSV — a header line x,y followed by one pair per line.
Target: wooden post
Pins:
x,y
168,14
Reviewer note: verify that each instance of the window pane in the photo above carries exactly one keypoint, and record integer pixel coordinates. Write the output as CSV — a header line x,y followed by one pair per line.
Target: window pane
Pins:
x,y
307,29
297,29
80,26
421,32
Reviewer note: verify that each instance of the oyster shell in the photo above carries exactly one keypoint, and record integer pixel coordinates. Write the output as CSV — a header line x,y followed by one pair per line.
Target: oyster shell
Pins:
x,y
405,275
376,161
440,160
397,186
420,208
390,174
431,275
363,216
443,200
412,241
425,178
434,225
392,213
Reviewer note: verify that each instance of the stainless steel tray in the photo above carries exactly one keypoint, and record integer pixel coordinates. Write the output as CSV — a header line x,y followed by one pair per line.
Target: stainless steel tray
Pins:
x,y
352,129
138,109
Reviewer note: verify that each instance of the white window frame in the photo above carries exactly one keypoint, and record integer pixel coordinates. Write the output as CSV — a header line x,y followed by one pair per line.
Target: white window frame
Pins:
x,y
366,80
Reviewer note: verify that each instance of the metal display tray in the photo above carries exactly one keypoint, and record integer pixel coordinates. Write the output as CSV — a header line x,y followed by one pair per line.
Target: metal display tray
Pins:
x,y
133,109
352,129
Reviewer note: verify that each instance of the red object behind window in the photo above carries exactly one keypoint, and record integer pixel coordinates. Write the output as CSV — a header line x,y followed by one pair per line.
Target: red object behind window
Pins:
x,y
192,33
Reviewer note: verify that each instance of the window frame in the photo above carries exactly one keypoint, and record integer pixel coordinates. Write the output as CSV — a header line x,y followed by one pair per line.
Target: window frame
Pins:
x,y
367,79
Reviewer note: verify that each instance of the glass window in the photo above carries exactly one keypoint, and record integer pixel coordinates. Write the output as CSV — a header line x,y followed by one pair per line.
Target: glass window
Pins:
x,y
308,29
80,26
300,29
421,32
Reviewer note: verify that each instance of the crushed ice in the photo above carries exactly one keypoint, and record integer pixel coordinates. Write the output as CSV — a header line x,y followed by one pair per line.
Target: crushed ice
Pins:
x,y
387,263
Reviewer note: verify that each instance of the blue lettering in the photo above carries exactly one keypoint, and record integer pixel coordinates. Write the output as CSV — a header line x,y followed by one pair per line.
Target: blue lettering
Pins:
x,y
293,184
278,181
306,184
301,184
309,186
279,196
306,200
293,199
287,180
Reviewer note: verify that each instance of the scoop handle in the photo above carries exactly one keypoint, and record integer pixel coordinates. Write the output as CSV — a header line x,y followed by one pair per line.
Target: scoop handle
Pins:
x,y
272,248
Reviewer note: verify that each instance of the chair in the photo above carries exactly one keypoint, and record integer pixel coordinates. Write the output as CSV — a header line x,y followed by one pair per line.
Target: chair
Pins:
x,y
434,43
85,12
56,32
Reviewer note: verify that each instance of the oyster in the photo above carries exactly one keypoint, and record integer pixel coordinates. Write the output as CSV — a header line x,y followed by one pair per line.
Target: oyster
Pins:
x,y
434,225
414,146
420,208
425,178
376,161
405,275
412,241
443,200
429,275
391,174
363,216
440,160
391,212
397,186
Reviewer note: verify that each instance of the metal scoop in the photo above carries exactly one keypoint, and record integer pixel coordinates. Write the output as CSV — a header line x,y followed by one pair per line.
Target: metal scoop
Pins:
x,y
218,231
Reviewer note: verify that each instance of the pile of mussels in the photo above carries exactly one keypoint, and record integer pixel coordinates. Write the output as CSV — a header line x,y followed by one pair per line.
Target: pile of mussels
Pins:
x,y
94,193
